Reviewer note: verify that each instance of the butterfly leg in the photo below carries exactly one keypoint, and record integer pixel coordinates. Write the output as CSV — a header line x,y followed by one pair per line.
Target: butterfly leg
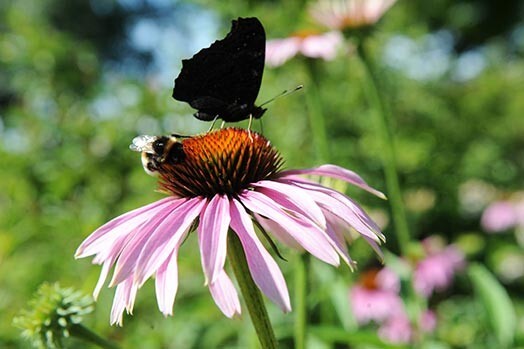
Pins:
x,y
212,124
261,126
249,127
223,124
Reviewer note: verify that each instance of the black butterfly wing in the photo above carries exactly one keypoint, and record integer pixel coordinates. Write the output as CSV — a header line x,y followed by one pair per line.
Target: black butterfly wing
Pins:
x,y
223,80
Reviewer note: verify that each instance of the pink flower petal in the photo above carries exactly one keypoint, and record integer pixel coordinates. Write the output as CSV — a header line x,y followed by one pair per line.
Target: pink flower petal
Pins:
x,y
336,172
106,267
375,304
166,284
375,247
339,243
294,198
278,232
323,46
303,231
225,295
344,208
499,216
212,236
122,225
262,266
129,255
436,271
124,299
396,330
279,51
167,236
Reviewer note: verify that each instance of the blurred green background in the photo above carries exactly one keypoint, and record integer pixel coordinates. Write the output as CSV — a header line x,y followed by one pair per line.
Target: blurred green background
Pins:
x,y
79,79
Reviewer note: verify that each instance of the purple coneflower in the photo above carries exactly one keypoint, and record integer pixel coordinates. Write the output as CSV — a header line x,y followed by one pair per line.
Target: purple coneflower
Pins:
x,y
436,270
309,44
343,14
503,215
376,297
229,182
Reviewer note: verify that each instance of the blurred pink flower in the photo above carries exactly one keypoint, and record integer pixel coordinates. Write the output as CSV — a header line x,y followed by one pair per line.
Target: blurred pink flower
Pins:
x,y
376,297
396,329
436,270
325,46
145,242
343,14
428,321
503,215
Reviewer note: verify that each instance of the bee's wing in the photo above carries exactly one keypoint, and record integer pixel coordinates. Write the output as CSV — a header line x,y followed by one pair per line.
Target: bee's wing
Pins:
x,y
143,143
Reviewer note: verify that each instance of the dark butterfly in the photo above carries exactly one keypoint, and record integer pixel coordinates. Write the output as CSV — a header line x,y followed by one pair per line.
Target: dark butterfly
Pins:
x,y
223,80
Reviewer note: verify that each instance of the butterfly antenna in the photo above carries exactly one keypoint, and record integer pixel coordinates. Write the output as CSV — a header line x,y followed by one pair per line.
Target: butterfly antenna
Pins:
x,y
284,93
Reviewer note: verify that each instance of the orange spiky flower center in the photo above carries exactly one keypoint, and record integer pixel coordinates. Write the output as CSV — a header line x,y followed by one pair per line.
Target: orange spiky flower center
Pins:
x,y
224,161
368,279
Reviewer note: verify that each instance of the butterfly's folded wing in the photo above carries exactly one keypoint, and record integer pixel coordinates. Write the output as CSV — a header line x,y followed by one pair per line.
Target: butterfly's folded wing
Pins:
x,y
228,74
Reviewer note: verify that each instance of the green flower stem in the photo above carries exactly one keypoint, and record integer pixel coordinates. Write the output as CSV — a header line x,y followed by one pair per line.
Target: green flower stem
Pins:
x,y
300,306
251,293
317,122
315,112
86,334
388,148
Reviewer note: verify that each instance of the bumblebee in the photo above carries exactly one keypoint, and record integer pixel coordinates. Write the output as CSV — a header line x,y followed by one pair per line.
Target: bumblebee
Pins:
x,y
157,150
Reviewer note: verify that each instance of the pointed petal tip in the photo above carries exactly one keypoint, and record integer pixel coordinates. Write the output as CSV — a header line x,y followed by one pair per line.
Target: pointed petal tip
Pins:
x,y
381,195
237,314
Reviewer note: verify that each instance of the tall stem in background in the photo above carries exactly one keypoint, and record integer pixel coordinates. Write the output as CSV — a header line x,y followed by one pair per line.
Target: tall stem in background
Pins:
x,y
388,149
300,306
319,135
315,112
251,293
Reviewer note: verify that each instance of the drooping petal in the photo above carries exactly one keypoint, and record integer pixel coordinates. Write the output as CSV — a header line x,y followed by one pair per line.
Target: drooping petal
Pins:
x,y
294,198
212,236
344,208
312,238
339,243
375,247
167,236
278,232
128,258
106,267
299,203
166,283
124,299
118,226
225,295
336,172
262,266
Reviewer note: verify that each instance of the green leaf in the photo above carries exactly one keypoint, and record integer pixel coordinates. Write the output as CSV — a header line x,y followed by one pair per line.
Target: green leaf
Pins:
x,y
501,314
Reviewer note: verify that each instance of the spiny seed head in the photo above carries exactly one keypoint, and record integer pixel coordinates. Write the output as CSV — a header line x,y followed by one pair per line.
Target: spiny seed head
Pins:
x,y
52,315
224,162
